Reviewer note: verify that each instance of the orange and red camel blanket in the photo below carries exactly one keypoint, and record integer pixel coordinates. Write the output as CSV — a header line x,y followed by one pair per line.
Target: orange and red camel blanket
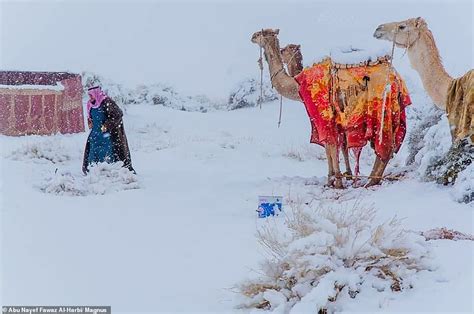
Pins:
x,y
346,104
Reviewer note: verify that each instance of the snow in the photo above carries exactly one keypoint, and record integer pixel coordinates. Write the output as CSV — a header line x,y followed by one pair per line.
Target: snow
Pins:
x,y
246,93
101,179
57,87
186,234
353,54
464,190
182,233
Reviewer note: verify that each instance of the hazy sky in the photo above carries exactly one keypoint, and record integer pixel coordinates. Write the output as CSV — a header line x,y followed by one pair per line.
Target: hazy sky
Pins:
x,y
204,47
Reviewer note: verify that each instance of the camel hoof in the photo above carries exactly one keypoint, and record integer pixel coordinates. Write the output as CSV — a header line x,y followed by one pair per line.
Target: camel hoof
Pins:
x,y
331,180
338,184
356,183
348,175
372,183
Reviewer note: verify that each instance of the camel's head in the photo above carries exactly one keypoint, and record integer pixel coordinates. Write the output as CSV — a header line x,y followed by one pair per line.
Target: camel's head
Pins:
x,y
404,33
289,52
260,36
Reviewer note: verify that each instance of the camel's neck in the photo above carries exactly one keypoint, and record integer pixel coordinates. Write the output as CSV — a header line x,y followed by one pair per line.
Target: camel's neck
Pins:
x,y
424,58
283,83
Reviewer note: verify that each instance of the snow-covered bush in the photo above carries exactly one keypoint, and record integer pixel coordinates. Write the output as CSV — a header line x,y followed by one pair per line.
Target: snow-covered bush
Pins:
x,y
120,94
63,183
435,145
102,178
446,169
436,158
152,94
41,151
322,256
463,189
247,94
164,95
419,127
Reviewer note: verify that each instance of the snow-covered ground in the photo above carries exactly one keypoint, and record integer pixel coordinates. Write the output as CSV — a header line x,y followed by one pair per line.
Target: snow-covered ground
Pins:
x,y
183,235
180,235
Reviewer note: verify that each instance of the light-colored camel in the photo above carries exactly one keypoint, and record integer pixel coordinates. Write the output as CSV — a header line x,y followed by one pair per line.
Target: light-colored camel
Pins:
x,y
288,87
414,35
456,96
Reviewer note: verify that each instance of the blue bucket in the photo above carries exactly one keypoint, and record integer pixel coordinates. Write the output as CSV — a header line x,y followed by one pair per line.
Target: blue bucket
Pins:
x,y
269,206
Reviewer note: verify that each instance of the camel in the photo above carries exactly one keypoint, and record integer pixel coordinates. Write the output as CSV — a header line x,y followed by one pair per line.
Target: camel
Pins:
x,y
293,59
288,87
455,96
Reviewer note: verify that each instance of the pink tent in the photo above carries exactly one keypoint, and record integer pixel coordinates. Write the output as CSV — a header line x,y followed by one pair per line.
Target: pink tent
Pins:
x,y
40,103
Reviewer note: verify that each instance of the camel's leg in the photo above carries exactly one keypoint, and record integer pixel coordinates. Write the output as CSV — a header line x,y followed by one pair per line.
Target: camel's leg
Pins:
x,y
330,167
335,165
345,152
377,172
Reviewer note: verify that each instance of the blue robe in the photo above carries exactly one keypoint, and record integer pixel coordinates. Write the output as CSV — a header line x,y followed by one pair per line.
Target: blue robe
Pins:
x,y
100,144
111,146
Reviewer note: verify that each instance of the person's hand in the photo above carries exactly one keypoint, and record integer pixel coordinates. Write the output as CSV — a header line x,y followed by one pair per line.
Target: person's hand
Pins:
x,y
89,123
103,128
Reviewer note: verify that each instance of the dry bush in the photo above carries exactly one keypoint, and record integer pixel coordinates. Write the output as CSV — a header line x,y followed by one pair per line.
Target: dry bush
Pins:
x,y
322,255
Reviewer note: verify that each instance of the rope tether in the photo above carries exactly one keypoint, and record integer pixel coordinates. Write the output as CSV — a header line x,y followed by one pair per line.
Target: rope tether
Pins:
x,y
387,88
260,65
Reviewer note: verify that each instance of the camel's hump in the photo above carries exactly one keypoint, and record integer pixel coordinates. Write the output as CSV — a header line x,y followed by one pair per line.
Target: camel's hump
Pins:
x,y
354,55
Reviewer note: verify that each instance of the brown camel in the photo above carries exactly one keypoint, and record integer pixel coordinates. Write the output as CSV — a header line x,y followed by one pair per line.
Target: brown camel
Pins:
x,y
288,87
293,59
456,96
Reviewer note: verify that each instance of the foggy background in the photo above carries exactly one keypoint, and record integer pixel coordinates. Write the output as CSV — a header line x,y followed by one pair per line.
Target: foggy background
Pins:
x,y
204,47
